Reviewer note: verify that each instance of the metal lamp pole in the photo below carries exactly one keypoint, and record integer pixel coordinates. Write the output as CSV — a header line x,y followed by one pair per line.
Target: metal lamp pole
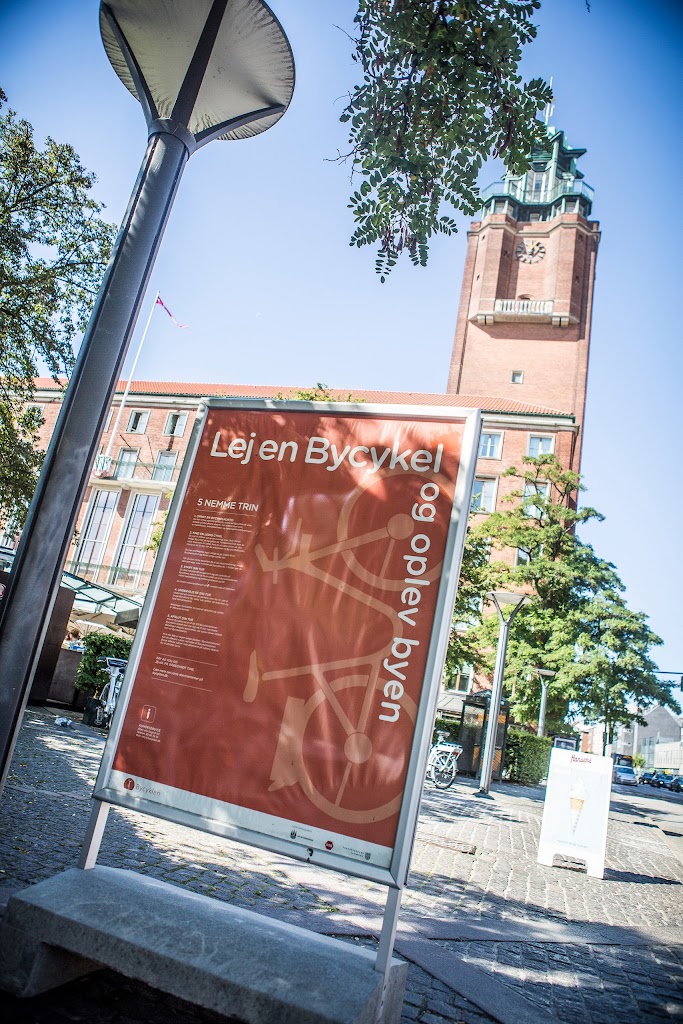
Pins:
x,y
497,598
253,94
545,675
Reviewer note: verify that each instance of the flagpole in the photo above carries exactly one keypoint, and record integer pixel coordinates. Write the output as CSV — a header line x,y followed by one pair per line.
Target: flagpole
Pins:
x,y
130,379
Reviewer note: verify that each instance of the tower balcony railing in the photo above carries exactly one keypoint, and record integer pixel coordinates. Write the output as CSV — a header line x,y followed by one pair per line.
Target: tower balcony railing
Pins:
x,y
530,311
524,307
522,192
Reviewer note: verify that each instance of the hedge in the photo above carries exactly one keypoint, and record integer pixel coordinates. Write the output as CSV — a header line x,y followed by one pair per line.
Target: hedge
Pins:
x,y
90,676
451,726
526,757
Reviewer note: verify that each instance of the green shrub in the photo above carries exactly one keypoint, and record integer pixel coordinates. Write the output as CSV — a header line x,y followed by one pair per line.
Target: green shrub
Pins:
x,y
526,757
90,676
451,726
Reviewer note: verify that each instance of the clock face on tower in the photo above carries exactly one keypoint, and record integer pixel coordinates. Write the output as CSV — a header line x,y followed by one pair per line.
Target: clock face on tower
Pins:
x,y
530,252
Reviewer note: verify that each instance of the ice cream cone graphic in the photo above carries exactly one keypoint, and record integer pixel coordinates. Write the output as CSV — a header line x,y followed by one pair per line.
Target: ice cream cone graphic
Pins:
x,y
577,798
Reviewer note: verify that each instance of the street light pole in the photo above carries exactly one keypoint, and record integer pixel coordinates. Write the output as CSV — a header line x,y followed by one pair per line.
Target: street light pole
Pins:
x,y
517,601
545,675
249,74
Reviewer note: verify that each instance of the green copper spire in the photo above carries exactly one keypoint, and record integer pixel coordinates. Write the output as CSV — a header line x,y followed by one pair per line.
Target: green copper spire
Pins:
x,y
551,186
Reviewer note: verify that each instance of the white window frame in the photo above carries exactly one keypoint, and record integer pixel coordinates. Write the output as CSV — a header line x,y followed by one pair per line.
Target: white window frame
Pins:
x,y
462,672
488,480
542,489
78,560
132,463
517,373
140,427
157,465
492,433
182,419
543,437
116,567
108,420
8,540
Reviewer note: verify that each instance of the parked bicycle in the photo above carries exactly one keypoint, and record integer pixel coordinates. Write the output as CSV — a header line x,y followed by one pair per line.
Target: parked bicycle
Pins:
x,y
442,765
115,669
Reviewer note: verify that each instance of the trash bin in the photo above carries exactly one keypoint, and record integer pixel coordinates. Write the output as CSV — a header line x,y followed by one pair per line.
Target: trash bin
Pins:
x,y
90,710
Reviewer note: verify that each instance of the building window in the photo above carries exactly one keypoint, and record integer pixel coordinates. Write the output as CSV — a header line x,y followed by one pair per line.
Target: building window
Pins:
x,y
95,533
540,444
108,420
135,539
7,540
461,680
125,466
523,557
164,466
175,424
137,422
490,446
483,495
517,376
535,496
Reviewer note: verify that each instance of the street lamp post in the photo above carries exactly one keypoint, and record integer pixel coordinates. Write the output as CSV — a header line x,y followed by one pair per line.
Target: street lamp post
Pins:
x,y
229,75
545,675
498,598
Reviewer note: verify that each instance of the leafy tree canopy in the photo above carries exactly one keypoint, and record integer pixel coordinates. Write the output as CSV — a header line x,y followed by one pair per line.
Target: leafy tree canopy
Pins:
x,y
441,92
577,624
54,247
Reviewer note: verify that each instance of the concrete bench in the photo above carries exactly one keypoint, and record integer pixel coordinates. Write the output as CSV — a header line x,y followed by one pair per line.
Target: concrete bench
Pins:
x,y
226,959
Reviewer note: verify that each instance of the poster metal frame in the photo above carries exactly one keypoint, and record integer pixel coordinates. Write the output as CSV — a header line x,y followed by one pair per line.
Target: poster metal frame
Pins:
x,y
394,876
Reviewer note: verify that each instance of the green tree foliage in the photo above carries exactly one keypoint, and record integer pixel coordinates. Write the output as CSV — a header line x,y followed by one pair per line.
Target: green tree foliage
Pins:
x,y
54,247
319,393
612,670
440,93
90,675
577,623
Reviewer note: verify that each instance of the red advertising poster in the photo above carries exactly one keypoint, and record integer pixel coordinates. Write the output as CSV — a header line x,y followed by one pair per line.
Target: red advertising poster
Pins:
x,y
276,682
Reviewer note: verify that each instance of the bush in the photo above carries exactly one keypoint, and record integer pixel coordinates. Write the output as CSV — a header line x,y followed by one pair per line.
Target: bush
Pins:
x,y
451,726
90,676
526,757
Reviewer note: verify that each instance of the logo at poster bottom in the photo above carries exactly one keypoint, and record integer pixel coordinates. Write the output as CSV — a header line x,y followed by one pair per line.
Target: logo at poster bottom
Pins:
x,y
329,844
129,784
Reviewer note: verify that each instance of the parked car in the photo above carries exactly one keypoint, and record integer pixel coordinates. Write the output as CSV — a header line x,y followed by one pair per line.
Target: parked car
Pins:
x,y
662,780
677,784
624,775
646,778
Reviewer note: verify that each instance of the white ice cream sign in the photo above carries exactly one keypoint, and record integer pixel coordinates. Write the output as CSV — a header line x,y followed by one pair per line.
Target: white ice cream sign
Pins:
x,y
576,809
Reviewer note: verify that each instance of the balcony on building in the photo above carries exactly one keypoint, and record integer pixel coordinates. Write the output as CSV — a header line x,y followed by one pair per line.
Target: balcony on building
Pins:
x,y
128,472
537,197
524,311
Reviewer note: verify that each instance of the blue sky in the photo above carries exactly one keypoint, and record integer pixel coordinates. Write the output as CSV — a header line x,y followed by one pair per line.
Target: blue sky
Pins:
x,y
256,256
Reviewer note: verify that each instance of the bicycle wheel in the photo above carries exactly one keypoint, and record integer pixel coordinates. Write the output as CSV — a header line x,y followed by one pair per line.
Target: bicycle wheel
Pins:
x,y
443,771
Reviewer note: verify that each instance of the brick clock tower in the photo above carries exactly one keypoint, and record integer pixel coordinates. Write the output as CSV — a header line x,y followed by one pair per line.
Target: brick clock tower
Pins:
x,y
523,328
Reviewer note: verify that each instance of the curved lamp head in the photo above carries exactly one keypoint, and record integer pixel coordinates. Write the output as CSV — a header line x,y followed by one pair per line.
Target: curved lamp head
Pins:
x,y
201,69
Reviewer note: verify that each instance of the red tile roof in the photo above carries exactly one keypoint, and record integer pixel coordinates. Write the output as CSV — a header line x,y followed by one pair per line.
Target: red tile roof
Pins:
x,y
485,403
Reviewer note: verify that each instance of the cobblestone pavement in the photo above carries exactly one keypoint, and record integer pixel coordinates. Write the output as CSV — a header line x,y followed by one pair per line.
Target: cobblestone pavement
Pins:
x,y
492,926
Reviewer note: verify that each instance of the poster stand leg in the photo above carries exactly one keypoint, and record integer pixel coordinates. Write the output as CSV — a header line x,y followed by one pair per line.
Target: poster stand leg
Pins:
x,y
386,942
93,835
